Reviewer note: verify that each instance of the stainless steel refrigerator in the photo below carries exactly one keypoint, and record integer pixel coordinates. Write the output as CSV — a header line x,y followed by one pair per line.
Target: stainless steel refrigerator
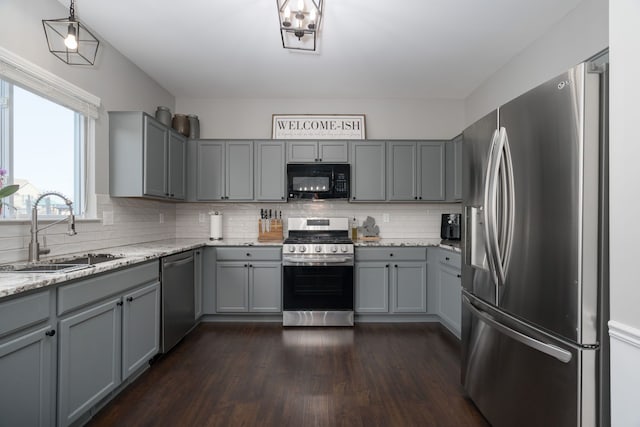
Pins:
x,y
535,255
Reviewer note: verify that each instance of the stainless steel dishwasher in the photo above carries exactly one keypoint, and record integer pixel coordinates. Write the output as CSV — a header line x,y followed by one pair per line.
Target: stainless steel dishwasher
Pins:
x,y
178,308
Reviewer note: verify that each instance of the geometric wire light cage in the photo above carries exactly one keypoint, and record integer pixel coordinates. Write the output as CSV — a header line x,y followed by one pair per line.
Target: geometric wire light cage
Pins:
x,y
299,23
70,40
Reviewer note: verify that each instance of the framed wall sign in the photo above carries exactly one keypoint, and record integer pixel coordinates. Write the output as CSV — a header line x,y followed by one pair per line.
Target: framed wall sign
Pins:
x,y
318,126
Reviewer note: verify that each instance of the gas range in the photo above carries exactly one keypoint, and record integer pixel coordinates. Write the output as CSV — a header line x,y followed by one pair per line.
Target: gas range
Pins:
x,y
318,236
317,283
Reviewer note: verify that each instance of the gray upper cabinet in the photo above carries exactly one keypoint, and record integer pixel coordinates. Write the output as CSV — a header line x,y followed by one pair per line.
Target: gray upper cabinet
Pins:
x,y
239,170
270,168
147,159
415,170
431,169
454,170
210,170
401,171
317,151
368,171
224,170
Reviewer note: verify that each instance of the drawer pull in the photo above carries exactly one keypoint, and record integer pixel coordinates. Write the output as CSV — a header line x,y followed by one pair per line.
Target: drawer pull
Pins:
x,y
447,258
50,333
459,275
129,299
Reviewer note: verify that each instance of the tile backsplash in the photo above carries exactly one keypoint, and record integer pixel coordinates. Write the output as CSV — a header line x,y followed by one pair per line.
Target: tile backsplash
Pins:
x,y
126,221
240,220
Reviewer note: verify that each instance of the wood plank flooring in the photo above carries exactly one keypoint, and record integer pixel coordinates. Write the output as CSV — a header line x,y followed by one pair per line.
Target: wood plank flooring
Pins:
x,y
267,375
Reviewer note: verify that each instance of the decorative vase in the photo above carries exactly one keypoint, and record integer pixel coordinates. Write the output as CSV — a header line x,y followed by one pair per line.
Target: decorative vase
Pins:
x,y
181,124
194,126
163,115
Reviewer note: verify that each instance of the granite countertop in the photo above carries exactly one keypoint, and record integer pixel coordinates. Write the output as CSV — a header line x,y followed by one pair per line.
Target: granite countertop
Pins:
x,y
446,244
15,283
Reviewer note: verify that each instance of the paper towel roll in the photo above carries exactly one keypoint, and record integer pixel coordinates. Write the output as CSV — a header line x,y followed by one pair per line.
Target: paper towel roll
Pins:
x,y
215,229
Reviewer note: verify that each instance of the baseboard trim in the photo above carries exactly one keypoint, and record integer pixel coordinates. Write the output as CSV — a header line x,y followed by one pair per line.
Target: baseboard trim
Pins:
x,y
627,334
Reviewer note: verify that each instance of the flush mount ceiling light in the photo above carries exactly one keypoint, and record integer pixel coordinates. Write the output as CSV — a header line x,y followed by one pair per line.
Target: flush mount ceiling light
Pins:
x,y
299,23
70,41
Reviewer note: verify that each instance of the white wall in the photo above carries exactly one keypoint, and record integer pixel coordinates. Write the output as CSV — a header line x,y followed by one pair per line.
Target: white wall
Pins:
x,y
624,151
582,33
385,118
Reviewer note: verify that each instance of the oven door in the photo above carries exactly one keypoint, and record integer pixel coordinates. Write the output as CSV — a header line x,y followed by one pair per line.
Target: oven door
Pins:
x,y
308,286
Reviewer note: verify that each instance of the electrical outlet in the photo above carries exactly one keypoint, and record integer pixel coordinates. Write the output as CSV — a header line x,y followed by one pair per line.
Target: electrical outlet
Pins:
x,y
385,217
161,218
107,217
201,217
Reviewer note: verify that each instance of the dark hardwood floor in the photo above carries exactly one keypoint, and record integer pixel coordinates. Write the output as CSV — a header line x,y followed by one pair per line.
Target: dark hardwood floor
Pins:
x,y
267,375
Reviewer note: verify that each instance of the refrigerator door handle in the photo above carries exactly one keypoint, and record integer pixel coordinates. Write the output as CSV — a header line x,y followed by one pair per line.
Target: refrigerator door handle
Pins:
x,y
510,197
503,171
490,237
562,355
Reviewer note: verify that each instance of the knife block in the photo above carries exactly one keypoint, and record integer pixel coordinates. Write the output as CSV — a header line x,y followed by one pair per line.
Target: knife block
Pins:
x,y
275,231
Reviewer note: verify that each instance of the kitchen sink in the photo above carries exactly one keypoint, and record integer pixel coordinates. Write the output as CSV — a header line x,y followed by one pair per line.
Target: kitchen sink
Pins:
x,y
63,265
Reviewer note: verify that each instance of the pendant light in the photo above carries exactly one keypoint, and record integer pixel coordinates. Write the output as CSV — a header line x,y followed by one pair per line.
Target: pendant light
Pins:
x,y
69,40
299,23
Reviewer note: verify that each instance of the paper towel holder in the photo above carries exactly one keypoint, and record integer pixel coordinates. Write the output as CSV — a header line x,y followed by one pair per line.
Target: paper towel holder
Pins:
x,y
215,225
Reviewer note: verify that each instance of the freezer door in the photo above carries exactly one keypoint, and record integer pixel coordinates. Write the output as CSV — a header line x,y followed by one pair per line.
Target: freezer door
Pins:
x,y
477,141
518,376
551,280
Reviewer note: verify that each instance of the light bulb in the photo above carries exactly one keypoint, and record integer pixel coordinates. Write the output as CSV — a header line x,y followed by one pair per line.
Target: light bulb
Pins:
x,y
70,41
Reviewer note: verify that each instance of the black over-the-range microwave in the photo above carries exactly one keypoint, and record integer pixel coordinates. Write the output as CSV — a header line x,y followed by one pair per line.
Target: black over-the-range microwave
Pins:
x,y
318,180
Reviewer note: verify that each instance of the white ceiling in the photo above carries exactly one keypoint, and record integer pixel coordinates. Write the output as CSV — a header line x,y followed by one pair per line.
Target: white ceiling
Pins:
x,y
367,48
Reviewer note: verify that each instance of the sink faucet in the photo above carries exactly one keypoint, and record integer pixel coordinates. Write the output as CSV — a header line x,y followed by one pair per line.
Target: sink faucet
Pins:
x,y
34,246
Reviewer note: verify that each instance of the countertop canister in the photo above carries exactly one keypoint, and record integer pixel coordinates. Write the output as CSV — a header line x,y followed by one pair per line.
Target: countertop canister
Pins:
x,y
181,124
194,126
163,115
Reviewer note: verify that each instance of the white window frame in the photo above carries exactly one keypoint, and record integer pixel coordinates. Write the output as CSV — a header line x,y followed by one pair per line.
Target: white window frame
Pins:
x,y
36,79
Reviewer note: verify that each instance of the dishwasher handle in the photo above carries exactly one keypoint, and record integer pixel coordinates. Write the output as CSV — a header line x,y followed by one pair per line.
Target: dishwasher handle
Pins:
x,y
178,262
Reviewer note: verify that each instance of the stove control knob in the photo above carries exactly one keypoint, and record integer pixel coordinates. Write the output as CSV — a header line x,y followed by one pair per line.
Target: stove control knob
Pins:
x,y
318,248
292,248
334,248
343,248
302,248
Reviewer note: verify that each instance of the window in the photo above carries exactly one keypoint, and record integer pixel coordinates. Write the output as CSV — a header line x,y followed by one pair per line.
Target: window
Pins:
x,y
42,146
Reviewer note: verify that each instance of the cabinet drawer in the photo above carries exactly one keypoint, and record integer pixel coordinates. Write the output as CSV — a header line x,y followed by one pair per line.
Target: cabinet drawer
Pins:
x,y
19,313
452,259
96,288
249,253
391,253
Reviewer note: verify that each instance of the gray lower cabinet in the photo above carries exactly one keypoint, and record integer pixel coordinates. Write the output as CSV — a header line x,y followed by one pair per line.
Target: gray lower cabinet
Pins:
x,y
243,287
454,170
223,170
446,286
109,327
248,280
28,343
147,158
391,280
368,171
317,151
270,177
415,170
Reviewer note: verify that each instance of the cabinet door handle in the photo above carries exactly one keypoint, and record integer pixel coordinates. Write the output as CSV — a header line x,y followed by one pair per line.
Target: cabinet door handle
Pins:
x,y
386,266
50,333
420,197
390,254
354,198
251,265
282,198
119,303
396,266
416,197
129,299
173,195
248,254
447,258
246,265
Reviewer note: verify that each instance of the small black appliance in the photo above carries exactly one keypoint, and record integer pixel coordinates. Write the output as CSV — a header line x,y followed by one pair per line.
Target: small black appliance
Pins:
x,y
450,226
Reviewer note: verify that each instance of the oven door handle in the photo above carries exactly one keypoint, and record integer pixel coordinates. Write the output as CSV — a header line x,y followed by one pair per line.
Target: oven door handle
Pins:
x,y
317,262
